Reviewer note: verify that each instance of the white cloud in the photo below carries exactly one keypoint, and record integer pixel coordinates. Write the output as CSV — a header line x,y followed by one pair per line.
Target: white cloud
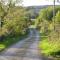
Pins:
x,y
38,2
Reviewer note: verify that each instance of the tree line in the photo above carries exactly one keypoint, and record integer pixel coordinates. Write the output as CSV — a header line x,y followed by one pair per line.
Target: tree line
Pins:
x,y
49,27
14,20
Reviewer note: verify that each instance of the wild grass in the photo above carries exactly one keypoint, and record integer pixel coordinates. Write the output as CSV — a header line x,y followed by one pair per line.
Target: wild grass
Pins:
x,y
49,47
8,41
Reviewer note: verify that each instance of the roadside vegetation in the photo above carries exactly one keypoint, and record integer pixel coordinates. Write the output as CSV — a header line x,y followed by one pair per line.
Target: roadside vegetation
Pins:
x,y
49,27
14,23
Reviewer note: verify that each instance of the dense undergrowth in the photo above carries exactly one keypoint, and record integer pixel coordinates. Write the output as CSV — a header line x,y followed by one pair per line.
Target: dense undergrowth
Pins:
x,y
14,23
49,47
49,32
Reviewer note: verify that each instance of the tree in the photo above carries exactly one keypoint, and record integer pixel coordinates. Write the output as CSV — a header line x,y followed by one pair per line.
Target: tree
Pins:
x,y
15,20
57,17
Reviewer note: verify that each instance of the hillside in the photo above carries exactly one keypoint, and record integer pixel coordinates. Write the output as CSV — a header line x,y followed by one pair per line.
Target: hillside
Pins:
x,y
34,10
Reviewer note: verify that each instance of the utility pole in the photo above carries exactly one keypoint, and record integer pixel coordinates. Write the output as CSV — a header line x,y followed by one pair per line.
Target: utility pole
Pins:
x,y
54,14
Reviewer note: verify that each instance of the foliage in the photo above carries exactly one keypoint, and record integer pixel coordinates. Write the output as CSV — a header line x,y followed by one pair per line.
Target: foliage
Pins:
x,y
51,44
47,13
2,46
15,22
1,11
57,17
49,47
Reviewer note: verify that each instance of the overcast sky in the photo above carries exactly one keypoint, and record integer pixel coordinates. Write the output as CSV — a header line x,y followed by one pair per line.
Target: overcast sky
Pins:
x,y
35,2
38,2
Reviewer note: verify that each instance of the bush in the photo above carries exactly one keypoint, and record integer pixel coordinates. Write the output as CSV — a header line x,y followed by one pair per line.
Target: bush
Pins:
x,y
50,46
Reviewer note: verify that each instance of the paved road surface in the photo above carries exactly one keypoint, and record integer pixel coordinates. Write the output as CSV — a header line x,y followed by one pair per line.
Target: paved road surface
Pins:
x,y
24,50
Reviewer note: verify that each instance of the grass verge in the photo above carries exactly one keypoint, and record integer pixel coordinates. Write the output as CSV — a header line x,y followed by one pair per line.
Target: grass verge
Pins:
x,y
8,41
49,47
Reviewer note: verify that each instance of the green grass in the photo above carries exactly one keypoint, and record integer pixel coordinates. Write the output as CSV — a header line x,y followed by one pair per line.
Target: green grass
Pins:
x,y
49,48
8,41
2,46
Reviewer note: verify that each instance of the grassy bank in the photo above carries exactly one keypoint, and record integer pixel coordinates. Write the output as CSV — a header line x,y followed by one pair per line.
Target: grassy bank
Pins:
x,y
49,48
8,41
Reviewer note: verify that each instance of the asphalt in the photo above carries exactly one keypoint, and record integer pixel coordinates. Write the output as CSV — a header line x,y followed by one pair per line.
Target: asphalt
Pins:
x,y
26,49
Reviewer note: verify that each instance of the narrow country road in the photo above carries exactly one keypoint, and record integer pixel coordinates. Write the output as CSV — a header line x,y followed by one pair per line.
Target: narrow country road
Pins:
x,y
24,50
